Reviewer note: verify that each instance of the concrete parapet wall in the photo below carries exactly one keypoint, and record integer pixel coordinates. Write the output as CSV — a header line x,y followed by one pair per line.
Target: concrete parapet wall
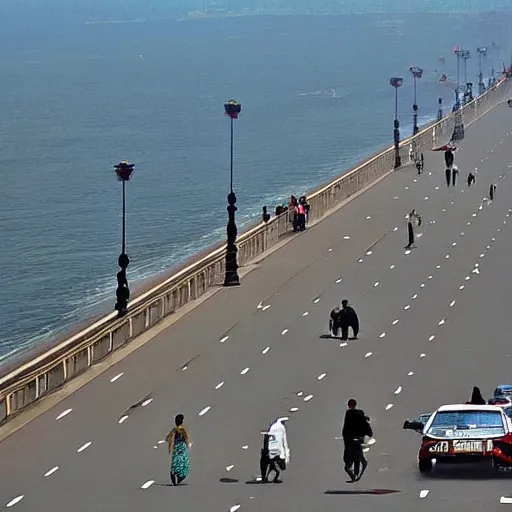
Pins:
x,y
33,379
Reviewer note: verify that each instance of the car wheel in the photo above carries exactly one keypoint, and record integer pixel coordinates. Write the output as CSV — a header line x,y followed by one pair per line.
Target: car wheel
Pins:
x,y
425,466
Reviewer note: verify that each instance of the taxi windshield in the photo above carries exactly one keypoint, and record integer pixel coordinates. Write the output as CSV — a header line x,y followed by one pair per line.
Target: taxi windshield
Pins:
x,y
467,424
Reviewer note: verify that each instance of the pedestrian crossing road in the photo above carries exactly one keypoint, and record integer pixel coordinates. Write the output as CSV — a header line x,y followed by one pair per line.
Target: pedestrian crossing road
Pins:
x,y
435,321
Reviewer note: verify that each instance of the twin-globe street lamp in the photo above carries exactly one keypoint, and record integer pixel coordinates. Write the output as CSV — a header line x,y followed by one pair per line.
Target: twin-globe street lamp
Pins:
x,y
417,73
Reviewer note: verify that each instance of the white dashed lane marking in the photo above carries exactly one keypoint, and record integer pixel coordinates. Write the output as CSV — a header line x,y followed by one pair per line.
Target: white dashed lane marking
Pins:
x,y
63,414
382,335
234,508
146,402
395,321
268,306
410,374
368,354
15,501
308,398
148,484
432,337
294,409
321,376
117,377
389,406
245,371
391,267
51,471
229,468
219,385
306,313
424,493
452,303
122,419
223,340
265,350
407,307
204,411
398,390
284,331
422,356
84,447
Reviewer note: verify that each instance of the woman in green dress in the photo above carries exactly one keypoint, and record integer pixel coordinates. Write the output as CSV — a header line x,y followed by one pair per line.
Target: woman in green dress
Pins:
x,y
179,443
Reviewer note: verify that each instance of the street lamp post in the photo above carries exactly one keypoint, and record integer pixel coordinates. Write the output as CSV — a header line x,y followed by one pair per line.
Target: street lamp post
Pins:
x,y
396,82
232,110
416,74
457,50
482,52
124,171
440,109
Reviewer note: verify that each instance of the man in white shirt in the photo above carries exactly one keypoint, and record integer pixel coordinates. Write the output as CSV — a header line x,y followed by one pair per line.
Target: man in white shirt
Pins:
x,y
277,453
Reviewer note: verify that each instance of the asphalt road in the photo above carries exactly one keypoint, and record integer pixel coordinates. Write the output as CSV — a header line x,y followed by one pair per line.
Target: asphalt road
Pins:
x,y
432,327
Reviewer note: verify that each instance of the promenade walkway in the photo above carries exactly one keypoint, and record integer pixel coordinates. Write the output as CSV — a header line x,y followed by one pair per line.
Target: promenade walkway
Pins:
x,y
432,327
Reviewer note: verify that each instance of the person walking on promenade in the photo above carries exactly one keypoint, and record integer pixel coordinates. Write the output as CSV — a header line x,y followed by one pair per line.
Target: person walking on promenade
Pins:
x,y
334,321
348,318
275,454
356,427
492,191
179,444
412,217
471,179
455,173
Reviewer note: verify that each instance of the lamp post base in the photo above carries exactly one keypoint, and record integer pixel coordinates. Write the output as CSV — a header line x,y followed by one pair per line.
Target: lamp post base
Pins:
x,y
231,277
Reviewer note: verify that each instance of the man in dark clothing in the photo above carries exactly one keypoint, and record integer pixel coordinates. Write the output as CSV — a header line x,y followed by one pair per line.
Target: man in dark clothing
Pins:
x,y
448,174
355,427
471,179
265,459
492,191
348,318
448,158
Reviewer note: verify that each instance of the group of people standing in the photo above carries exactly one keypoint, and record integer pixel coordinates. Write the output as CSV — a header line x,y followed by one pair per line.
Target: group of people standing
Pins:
x,y
298,212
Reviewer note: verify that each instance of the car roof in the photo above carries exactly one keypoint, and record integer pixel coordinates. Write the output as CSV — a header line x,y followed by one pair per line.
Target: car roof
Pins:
x,y
504,386
468,407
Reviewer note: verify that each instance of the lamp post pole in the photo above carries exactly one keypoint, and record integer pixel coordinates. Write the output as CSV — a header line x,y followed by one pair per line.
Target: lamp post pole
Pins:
x,y
440,109
457,88
396,82
124,171
482,52
416,74
232,110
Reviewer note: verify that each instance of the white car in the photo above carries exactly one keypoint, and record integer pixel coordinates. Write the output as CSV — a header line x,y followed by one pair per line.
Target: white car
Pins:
x,y
465,433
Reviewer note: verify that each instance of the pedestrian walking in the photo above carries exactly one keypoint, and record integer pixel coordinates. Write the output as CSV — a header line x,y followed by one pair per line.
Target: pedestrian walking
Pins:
x,y
492,191
471,179
179,443
348,318
356,426
275,454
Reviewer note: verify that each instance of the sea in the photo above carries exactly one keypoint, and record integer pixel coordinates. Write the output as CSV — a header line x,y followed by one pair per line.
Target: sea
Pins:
x,y
79,95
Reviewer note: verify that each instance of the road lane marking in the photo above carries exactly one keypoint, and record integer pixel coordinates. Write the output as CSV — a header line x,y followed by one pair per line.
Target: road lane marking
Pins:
x,y
376,284
146,402
447,256
398,390
408,251
422,356
391,267
123,419
407,307
148,484
452,303
368,217
265,350
234,508
424,493
84,447
245,371
117,377
410,374
369,253
395,321
432,337
316,301
284,331
422,285
382,335
321,376
204,411
389,406
14,501
461,287
346,237
395,228
245,447
63,414
360,260
343,344
368,354
438,267
338,281
415,296
306,313
268,306
308,398
223,340
230,467
51,471
430,277
219,385
441,322
294,409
